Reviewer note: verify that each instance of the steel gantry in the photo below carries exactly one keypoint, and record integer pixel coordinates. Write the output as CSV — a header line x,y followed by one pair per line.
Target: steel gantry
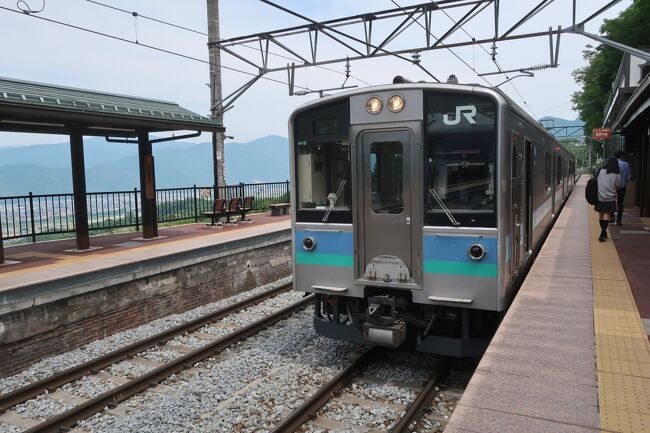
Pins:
x,y
292,41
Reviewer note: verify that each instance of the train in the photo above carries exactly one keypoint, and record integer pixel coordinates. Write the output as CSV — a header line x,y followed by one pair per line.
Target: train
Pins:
x,y
417,208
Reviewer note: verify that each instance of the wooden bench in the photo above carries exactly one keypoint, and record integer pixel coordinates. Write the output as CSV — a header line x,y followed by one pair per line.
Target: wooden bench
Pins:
x,y
280,209
246,207
218,210
233,208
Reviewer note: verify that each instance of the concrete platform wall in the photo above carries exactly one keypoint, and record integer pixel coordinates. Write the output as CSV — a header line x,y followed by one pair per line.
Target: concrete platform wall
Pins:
x,y
29,334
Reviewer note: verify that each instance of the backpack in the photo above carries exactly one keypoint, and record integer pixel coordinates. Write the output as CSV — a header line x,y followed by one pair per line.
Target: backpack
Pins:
x,y
591,191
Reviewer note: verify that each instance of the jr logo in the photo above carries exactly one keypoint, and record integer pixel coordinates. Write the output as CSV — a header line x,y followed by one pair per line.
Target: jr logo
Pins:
x,y
469,111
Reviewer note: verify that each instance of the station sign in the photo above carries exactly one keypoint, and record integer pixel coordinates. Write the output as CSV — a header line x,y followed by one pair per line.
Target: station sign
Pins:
x,y
601,133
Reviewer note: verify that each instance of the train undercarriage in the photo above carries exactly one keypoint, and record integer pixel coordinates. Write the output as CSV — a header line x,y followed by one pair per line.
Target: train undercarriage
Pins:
x,y
390,318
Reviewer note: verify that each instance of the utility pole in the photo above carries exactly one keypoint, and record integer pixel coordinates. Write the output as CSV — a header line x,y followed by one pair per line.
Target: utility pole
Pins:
x,y
215,94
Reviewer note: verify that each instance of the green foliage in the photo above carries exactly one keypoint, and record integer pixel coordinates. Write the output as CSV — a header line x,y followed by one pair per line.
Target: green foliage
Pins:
x,y
630,28
578,149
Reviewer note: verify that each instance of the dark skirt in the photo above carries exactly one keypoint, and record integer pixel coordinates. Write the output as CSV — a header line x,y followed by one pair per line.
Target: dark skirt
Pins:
x,y
605,206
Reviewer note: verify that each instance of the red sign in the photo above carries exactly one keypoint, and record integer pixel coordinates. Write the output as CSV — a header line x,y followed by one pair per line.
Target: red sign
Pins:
x,y
601,133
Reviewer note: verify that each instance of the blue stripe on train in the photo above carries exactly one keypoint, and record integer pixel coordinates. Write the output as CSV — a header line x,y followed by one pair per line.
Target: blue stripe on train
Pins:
x,y
327,242
454,248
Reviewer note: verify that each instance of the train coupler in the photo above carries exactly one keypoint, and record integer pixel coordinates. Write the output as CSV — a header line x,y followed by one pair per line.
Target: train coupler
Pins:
x,y
392,335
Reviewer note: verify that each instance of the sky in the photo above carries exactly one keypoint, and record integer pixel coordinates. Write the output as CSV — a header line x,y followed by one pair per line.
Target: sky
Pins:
x,y
36,50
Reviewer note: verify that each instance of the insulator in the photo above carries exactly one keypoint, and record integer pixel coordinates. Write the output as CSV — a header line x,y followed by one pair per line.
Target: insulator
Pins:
x,y
538,67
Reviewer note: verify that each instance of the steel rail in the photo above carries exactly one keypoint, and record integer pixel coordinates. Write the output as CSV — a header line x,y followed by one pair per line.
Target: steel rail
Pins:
x,y
416,409
301,414
111,398
53,382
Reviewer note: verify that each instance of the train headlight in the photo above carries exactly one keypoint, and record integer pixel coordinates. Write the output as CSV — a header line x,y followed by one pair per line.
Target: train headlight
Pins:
x,y
396,103
309,243
374,105
476,252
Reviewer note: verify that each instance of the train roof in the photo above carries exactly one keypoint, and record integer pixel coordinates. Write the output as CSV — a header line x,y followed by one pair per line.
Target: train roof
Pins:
x,y
469,88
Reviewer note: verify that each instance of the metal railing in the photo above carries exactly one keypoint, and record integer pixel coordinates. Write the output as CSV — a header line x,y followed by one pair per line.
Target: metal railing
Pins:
x,y
32,215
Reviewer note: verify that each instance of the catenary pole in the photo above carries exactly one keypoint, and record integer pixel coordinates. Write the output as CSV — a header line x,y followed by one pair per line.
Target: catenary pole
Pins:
x,y
215,94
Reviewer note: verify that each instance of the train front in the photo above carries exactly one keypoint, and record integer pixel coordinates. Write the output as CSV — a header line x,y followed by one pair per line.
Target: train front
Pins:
x,y
394,222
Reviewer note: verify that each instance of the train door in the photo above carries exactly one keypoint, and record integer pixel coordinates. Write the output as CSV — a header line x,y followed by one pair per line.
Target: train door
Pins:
x,y
530,178
518,201
385,243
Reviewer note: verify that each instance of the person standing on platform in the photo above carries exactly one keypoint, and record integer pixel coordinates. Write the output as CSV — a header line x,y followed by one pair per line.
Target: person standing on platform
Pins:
x,y
609,180
626,175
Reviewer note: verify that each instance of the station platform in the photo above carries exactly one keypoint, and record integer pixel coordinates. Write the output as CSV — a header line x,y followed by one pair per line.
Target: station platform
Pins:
x,y
56,299
572,353
45,271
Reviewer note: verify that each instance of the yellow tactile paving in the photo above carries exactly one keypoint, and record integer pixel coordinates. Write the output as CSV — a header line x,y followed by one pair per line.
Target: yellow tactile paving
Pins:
x,y
624,392
622,348
613,303
608,287
602,267
637,342
620,421
617,365
611,321
622,353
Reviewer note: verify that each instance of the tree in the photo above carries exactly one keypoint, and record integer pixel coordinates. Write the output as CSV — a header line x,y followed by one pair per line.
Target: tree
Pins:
x,y
578,148
630,28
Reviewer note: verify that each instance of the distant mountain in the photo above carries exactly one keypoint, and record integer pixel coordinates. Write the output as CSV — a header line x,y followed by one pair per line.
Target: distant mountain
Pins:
x,y
45,169
562,128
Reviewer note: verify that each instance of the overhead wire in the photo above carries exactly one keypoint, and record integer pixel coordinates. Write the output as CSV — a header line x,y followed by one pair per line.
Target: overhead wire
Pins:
x,y
488,53
152,47
324,27
137,14
27,9
199,32
447,48
516,91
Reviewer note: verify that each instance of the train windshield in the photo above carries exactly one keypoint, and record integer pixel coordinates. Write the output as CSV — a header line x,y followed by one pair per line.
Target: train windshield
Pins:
x,y
322,152
461,139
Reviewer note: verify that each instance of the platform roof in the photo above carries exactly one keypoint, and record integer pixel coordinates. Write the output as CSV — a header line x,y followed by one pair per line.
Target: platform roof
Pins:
x,y
45,108
638,103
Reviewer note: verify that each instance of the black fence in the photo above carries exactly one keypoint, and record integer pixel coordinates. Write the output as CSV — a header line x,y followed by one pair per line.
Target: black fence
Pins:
x,y
33,215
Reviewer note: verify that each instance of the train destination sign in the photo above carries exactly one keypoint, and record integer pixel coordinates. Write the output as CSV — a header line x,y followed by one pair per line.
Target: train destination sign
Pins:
x,y
601,133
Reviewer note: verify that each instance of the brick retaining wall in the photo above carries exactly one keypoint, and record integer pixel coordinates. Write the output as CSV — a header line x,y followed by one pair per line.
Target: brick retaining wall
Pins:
x,y
44,330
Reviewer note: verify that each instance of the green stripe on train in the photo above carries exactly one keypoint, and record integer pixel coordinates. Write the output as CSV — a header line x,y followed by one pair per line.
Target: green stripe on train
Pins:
x,y
324,259
460,268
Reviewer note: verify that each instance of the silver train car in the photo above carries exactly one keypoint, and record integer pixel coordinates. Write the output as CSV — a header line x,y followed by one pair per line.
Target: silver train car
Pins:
x,y
416,210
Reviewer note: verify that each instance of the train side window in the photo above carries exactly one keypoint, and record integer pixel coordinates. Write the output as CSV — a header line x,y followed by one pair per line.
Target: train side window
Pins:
x,y
547,172
387,177
558,170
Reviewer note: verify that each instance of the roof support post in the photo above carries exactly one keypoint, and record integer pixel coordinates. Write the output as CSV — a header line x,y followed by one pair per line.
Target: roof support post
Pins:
x,y
2,248
147,187
79,189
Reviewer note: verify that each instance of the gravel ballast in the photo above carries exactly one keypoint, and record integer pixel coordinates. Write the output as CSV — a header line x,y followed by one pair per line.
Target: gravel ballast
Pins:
x,y
251,389
49,366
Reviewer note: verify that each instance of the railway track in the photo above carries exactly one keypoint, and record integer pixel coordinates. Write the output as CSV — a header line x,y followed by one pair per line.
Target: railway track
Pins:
x,y
55,381
279,370
308,411
152,378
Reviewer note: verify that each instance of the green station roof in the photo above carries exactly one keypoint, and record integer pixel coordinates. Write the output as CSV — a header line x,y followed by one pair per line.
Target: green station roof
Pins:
x,y
38,107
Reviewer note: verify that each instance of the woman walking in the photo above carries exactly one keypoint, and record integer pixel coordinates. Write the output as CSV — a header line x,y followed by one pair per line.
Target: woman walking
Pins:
x,y
609,180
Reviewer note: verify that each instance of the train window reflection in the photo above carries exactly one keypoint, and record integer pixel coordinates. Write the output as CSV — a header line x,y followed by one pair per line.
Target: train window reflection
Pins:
x,y
460,159
387,177
321,145
323,173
